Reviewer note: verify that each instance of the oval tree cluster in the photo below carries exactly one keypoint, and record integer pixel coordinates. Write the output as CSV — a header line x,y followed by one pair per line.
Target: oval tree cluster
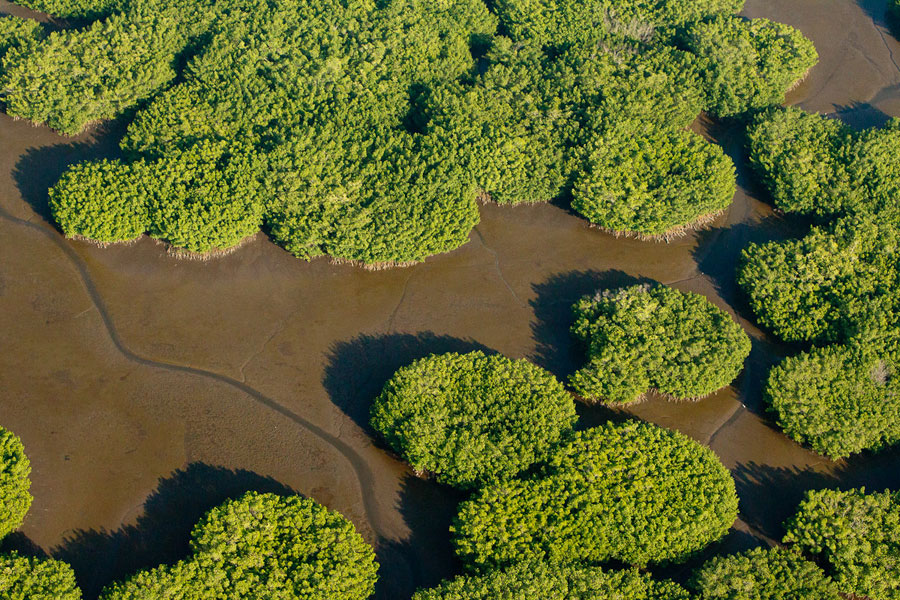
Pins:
x,y
15,500
532,580
315,122
263,545
26,578
760,574
472,419
646,337
631,492
856,534
836,286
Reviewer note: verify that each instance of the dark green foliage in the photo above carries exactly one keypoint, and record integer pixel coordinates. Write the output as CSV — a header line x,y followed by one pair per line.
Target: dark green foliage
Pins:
x,y
653,184
644,337
534,581
473,419
14,482
263,546
24,578
763,574
838,400
559,22
798,156
857,534
631,492
749,63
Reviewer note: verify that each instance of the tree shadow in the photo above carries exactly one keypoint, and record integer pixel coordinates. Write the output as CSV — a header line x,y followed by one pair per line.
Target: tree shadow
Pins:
x,y
38,169
20,543
861,115
769,495
426,556
358,369
557,351
161,534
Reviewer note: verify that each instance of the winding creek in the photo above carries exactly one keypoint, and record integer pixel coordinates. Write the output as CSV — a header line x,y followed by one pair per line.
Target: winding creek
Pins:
x,y
147,389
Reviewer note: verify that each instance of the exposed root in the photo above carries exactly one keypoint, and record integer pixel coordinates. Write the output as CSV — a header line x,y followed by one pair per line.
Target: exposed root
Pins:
x,y
99,244
701,222
213,254
377,266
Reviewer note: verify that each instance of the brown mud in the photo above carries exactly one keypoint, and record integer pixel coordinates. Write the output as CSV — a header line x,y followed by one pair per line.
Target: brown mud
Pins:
x,y
148,389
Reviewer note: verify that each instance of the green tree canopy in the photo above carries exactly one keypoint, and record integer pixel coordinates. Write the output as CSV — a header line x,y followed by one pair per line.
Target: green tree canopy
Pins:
x,y
534,580
653,184
349,140
631,492
473,419
763,574
23,578
838,399
14,482
655,337
857,534
263,546
749,63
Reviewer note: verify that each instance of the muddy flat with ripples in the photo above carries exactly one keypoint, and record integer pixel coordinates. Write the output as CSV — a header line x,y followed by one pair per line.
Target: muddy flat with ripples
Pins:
x,y
147,388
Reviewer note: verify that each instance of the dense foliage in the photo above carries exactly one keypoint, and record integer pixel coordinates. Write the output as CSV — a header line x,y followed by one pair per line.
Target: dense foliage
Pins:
x,y
838,284
473,419
349,140
24,578
644,337
534,580
631,492
14,482
857,534
838,399
749,63
760,574
653,184
17,32
264,546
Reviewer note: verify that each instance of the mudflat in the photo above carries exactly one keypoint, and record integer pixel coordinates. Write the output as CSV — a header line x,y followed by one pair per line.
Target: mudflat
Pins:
x,y
148,388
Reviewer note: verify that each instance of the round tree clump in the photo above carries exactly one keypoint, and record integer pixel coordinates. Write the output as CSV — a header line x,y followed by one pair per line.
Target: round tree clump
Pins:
x,y
533,580
630,492
857,534
653,185
822,287
473,419
655,337
763,574
264,546
24,578
14,482
104,201
751,63
799,157
838,400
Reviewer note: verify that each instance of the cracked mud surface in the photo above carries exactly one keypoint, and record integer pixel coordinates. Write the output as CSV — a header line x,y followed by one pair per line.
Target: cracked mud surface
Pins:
x,y
126,370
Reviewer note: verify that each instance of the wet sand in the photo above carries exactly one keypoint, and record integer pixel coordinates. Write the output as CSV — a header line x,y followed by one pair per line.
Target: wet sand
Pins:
x,y
148,389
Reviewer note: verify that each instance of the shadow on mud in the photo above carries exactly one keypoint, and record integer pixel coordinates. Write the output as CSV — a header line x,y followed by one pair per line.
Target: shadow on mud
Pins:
x,y
162,533
39,169
557,351
358,369
426,557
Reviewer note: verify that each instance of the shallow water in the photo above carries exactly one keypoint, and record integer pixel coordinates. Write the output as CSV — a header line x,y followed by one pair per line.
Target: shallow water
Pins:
x,y
148,389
